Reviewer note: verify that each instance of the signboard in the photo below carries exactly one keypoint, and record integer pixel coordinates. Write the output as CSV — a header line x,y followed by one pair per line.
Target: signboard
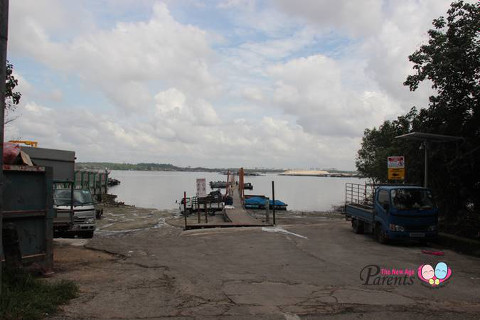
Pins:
x,y
396,168
396,162
201,187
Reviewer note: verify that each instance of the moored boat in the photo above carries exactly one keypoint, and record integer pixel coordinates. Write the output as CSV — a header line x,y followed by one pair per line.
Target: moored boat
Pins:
x,y
260,202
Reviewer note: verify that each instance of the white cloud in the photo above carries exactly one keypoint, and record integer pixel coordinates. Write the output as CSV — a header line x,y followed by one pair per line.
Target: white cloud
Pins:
x,y
172,106
252,93
227,4
108,138
312,89
382,34
354,17
122,61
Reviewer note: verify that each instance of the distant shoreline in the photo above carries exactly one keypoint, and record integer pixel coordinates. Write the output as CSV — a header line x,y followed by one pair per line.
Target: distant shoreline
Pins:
x,y
169,167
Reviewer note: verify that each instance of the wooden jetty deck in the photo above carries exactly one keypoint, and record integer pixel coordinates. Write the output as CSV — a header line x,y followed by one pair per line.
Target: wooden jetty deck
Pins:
x,y
235,217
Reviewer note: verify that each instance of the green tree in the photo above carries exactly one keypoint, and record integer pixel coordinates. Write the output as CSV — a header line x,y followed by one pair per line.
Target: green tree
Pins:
x,y
378,144
12,97
451,61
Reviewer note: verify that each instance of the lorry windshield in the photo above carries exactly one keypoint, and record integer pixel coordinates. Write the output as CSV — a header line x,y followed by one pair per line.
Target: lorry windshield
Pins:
x,y
408,199
62,197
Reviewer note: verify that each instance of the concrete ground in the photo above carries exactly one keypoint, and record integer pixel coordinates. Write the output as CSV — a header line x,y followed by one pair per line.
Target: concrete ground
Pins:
x,y
306,268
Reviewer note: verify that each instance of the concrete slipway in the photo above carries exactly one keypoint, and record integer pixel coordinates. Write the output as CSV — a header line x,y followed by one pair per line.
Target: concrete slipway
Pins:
x,y
309,268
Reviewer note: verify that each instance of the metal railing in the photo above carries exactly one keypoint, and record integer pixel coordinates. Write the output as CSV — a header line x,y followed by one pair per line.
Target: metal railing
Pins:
x,y
361,194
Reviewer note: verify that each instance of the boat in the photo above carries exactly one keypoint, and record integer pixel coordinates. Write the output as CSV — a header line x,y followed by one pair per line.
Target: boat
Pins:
x,y
112,182
218,184
258,202
248,186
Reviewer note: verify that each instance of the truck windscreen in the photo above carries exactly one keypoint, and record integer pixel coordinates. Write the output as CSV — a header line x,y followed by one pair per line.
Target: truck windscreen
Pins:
x,y
62,197
412,199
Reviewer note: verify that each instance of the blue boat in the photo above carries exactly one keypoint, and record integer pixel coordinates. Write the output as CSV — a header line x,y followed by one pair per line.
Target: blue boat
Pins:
x,y
258,202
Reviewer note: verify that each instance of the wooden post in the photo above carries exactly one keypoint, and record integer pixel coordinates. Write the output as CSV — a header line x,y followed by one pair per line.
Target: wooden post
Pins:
x,y
267,210
185,207
273,196
198,210
206,212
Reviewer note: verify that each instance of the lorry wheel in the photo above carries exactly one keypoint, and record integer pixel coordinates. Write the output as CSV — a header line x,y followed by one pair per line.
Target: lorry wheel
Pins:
x,y
87,234
380,234
357,226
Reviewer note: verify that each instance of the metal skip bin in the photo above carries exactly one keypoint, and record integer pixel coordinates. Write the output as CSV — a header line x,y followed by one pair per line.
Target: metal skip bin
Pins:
x,y
28,207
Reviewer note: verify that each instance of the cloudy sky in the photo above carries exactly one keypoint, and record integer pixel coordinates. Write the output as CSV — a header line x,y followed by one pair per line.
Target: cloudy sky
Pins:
x,y
253,83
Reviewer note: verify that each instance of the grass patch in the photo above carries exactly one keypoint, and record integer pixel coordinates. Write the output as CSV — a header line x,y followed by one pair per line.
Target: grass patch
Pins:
x,y
26,297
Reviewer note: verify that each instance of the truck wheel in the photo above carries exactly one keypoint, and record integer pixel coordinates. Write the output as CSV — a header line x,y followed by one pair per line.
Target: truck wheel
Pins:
x,y
358,226
87,234
380,234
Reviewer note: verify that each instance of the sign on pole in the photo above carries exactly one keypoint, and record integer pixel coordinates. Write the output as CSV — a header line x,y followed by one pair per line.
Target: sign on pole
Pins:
x,y
396,168
201,188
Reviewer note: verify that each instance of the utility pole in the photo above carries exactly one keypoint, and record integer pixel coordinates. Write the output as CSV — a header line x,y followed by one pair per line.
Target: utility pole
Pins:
x,y
3,75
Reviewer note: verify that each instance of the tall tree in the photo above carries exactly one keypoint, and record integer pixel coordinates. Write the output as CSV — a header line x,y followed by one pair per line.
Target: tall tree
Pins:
x,y
451,61
12,97
378,144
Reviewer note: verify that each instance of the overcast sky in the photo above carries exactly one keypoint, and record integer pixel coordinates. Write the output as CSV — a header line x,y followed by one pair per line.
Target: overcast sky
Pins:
x,y
227,83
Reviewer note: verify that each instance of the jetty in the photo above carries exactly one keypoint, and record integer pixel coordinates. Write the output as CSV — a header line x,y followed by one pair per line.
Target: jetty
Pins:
x,y
234,215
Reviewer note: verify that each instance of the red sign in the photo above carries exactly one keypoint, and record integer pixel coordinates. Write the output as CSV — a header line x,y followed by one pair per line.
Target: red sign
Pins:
x,y
396,162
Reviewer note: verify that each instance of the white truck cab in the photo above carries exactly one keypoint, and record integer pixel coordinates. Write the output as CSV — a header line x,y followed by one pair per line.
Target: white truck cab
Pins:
x,y
82,222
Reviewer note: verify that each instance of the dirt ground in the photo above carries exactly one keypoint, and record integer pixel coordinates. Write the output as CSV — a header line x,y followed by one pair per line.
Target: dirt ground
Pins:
x,y
142,265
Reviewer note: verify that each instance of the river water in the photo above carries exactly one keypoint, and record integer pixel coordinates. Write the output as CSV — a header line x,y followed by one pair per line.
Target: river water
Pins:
x,y
159,189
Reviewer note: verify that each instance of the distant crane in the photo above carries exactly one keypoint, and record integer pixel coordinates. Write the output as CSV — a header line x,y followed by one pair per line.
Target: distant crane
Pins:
x,y
33,144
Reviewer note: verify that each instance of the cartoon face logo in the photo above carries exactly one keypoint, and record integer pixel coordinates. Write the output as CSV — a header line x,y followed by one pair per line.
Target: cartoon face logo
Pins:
x,y
427,272
436,276
441,270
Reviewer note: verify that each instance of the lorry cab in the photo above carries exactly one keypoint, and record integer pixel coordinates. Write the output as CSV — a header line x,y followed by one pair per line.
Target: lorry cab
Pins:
x,y
405,212
82,222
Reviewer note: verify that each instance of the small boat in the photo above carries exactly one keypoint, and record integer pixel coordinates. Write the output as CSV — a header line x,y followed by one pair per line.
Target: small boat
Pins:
x,y
251,174
248,186
112,182
218,184
259,202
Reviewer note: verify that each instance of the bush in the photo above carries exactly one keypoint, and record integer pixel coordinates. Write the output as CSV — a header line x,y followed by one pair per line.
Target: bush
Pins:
x,y
26,297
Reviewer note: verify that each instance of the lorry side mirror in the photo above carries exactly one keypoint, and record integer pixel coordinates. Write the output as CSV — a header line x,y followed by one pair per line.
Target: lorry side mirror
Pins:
x,y
386,206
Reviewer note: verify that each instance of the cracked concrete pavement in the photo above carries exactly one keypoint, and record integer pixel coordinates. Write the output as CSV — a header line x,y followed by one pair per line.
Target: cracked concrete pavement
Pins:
x,y
312,271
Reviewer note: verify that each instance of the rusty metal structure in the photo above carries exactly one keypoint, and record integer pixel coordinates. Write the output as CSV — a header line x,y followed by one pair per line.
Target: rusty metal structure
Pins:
x,y
95,181
241,183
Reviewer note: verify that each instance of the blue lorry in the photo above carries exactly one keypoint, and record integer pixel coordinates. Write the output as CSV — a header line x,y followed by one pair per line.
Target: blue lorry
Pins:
x,y
392,212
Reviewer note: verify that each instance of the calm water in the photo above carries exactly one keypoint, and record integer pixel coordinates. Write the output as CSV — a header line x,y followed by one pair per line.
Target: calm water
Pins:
x,y
161,189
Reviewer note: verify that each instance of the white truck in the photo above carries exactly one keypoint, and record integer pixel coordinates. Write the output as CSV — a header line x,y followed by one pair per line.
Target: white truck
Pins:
x,y
74,218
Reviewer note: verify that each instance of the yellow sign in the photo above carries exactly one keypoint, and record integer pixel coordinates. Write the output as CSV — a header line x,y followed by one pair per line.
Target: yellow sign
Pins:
x,y
396,173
